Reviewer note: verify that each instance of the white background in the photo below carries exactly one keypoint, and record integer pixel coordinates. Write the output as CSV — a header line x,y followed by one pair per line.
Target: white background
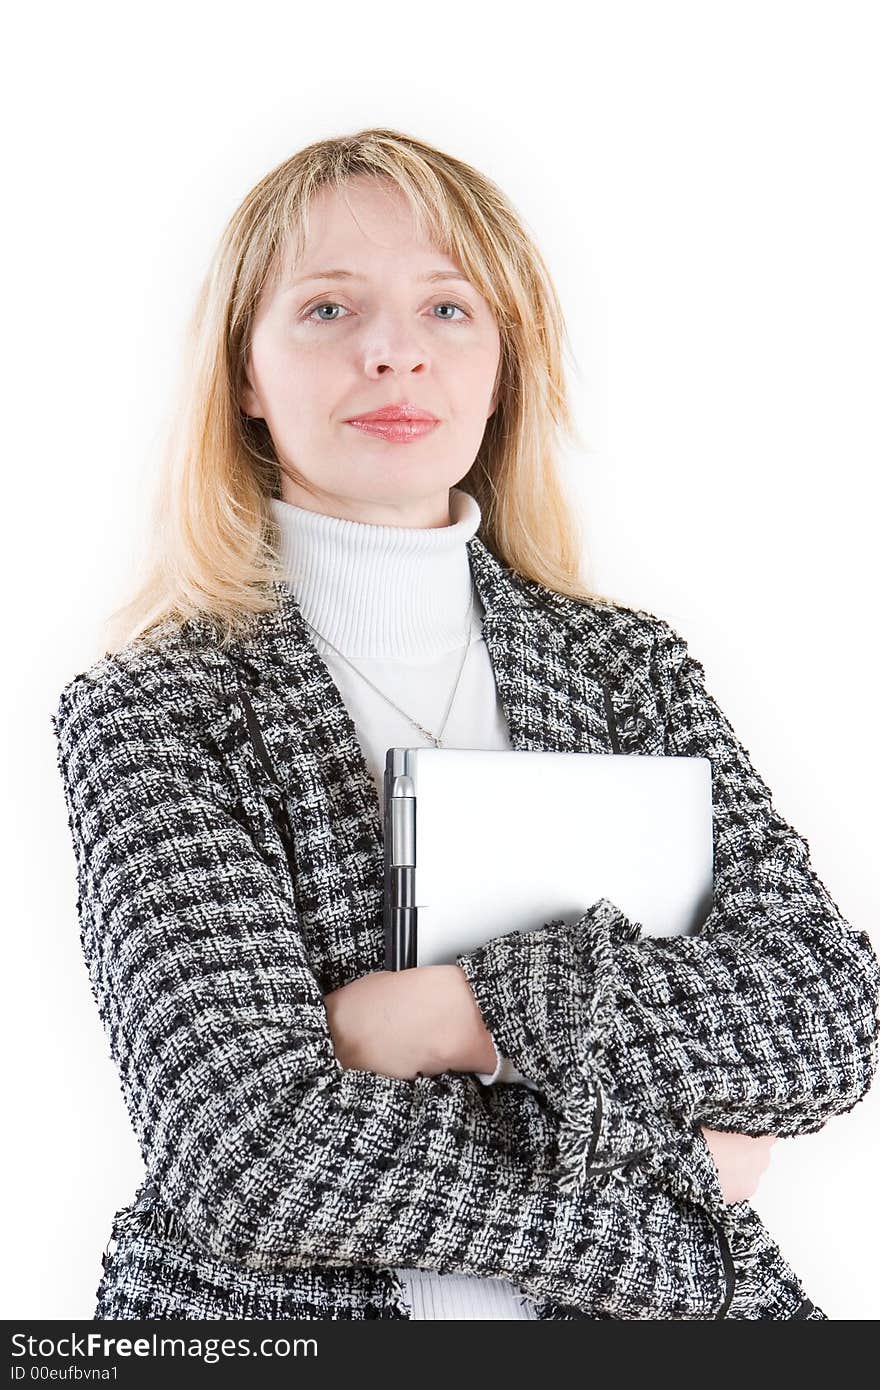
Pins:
x,y
702,179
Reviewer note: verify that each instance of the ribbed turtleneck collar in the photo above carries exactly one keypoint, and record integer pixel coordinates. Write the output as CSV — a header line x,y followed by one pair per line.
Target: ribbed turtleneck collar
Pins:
x,y
381,591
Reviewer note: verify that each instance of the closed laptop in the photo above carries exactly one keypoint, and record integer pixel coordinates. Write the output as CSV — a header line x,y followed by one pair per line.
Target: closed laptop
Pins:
x,y
480,842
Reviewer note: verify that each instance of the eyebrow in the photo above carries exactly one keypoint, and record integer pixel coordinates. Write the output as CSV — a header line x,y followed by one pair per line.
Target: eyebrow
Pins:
x,y
352,275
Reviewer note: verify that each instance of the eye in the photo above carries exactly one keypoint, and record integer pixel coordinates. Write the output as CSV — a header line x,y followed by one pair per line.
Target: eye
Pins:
x,y
448,304
325,305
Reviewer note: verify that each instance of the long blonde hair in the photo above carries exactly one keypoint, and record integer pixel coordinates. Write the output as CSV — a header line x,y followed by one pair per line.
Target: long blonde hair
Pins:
x,y
213,538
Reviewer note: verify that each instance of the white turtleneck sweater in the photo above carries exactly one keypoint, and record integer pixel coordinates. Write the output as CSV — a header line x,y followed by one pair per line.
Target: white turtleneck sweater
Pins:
x,y
394,600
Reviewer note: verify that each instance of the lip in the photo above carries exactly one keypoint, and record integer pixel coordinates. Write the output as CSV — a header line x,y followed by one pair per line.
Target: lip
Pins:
x,y
401,410
398,431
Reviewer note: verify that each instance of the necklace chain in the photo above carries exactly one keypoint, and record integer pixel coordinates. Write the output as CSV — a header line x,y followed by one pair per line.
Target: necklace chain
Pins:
x,y
436,739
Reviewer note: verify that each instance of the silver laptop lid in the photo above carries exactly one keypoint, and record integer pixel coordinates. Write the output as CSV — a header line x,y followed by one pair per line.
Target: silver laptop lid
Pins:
x,y
506,840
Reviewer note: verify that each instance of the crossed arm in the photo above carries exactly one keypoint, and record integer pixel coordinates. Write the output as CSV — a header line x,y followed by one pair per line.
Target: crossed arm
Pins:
x,y
427,1021
763,1024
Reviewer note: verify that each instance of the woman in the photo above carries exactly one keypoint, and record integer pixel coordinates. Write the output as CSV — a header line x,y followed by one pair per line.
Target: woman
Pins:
x,y
562,1123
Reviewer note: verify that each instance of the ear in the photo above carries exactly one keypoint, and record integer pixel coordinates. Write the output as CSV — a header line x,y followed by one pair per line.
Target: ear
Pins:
x,y
248,399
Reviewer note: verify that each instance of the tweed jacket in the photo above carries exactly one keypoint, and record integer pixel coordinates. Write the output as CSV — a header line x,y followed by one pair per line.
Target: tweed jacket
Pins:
x,y
229,856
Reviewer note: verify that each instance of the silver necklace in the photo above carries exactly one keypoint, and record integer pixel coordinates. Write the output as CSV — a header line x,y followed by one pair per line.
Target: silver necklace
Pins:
x,y
436,739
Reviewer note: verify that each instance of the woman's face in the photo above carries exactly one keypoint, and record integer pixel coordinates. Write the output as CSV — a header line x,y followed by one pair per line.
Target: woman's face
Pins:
x,y
402,326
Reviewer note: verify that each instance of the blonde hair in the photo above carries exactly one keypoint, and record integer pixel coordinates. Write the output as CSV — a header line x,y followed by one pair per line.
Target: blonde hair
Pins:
x,y
213,537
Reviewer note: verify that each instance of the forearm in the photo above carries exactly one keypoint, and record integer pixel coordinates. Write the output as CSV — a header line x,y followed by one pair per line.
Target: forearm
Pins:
x,y
409,1023
390,1173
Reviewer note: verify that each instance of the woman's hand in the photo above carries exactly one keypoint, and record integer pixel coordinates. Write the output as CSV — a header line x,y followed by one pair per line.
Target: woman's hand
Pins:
x,y
407,1023
740,1160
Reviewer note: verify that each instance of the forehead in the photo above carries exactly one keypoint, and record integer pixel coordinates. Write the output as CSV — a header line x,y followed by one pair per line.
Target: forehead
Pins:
x,y
365,223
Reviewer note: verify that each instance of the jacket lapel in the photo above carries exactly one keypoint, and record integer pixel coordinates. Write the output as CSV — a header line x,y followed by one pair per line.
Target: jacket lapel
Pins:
x,y
553,666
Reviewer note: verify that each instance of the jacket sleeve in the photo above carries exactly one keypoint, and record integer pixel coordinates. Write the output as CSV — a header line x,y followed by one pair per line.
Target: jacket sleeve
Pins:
x,y
762,1022
264,1148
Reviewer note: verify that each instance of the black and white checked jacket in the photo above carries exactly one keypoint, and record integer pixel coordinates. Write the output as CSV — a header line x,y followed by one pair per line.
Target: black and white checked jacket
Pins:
x,y
228,845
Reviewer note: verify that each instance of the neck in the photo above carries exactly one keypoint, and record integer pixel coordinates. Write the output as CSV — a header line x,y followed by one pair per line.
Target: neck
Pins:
x,y
380,591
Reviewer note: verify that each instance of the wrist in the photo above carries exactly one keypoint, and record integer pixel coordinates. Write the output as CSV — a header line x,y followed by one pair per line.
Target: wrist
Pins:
x,y
467,1044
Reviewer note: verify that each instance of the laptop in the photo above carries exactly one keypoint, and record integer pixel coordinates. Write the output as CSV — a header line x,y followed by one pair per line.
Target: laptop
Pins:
x,y
481,842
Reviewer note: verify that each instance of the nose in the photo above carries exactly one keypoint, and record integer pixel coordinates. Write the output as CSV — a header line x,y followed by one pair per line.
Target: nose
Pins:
x,y
393,346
